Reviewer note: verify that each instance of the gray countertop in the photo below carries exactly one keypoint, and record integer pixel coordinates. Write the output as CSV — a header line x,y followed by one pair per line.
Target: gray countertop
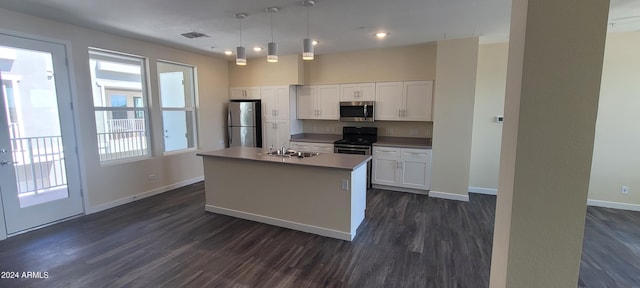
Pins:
x,y
327,160
318,138
404,142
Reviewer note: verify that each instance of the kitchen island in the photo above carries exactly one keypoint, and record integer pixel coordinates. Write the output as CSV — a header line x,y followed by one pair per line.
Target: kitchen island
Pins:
x,y
323,194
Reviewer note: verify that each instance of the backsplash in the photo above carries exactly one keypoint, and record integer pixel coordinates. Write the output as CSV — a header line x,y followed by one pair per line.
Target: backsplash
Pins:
x,y
385,128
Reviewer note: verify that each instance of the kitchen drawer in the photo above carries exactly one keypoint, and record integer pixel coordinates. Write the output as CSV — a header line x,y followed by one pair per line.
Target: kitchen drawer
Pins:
x,y
311,147
386,152
415,154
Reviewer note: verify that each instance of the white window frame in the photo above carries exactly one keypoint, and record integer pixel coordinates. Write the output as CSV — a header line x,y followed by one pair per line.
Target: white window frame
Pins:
x,y
192,109
108,55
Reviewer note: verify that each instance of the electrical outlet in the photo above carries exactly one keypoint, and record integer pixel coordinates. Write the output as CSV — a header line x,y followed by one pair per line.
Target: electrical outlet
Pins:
x,y
624,190
345,184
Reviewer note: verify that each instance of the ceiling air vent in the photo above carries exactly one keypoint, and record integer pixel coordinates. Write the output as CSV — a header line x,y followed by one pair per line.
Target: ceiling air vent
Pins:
x,y
193,35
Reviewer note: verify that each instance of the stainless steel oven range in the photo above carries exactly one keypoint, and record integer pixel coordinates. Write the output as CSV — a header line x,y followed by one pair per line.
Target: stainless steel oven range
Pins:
x,y
357,140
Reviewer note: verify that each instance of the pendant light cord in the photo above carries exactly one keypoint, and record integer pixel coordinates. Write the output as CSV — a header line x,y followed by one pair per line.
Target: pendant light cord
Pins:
x,y
240,21
307,22
271,26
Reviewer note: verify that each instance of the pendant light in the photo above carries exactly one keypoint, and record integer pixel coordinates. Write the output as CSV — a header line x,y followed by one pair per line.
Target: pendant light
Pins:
x,y
307,44
241,54
272,47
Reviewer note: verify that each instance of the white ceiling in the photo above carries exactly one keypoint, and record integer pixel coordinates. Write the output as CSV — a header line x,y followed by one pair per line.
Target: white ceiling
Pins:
x,y
339,25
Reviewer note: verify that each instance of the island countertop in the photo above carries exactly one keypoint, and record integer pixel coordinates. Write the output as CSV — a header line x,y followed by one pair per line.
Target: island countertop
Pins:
x,y
328,160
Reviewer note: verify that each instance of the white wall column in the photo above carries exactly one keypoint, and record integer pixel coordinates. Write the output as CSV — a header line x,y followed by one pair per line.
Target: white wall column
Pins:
x,y
553,80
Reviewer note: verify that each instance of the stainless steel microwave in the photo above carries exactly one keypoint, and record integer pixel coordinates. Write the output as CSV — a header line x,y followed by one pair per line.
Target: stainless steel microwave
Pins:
x,y
360,111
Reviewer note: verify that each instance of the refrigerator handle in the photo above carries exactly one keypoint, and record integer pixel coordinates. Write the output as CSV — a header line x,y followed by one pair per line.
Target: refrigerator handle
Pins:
x,y
229,127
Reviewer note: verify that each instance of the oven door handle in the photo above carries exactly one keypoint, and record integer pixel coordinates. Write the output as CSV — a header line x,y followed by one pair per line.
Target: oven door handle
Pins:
x,y
366,150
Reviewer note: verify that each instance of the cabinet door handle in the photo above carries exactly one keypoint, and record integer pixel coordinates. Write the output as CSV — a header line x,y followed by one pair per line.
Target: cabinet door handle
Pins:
x,y
399,164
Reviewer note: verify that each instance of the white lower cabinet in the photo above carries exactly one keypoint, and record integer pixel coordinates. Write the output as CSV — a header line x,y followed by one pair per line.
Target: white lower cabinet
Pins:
x,y
311,147
402,167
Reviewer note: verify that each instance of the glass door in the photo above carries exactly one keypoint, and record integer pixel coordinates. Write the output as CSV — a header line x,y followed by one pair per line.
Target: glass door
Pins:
x,y
39,174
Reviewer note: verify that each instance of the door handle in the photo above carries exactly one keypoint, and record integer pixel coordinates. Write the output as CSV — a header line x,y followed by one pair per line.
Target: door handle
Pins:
x,y
5,163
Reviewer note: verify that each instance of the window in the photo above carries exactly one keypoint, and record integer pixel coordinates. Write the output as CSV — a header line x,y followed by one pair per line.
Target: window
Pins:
x,y
137,102
119,96
178,105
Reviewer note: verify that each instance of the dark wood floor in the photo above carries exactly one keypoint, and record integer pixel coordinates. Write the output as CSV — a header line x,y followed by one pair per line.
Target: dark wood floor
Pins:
x,y
406,240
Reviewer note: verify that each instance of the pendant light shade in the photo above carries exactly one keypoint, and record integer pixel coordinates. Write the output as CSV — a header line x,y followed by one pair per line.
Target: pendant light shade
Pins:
x,y
272,52
241,54
307,44
307,49
272,47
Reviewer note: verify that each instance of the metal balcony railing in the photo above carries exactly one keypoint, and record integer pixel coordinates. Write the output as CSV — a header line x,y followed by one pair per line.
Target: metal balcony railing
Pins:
x,y
124,125
118,145
39,163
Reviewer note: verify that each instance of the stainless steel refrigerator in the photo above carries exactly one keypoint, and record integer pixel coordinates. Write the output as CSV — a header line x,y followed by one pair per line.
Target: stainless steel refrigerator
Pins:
x,y
244,123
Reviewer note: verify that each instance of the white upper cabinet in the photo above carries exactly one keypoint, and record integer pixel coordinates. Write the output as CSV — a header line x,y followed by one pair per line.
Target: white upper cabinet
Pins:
x,y
358,92
418,101
404,101
388,100
241,93
275,102
318,102
328,102
306,102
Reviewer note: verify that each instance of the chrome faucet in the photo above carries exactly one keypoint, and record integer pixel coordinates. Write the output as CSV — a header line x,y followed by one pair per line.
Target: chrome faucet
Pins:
x,y
282,149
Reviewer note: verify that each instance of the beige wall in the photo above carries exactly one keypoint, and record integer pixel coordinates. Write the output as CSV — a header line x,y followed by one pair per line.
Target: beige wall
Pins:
x,y
489,102
288,70
416,62
105,186
453,117
616,155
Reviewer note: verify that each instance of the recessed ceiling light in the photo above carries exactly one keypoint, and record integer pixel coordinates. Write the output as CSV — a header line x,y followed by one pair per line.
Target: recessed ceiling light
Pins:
x,y
315,42
228,52
257,48
381,35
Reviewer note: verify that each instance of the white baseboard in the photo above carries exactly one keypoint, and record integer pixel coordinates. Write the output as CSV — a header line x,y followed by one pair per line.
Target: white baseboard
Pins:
x,y
480,190
281,223
129,199
614,205
449,196
400,189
